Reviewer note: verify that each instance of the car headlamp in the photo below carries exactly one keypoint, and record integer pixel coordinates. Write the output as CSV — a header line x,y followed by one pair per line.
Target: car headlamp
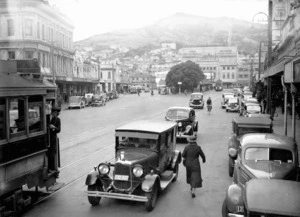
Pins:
x,y
232,152
103,169
179,124
138,171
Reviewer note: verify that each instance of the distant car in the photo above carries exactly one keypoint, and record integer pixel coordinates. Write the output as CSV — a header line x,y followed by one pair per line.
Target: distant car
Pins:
x,y
88,98
240,127
98,100
196,100
251,108
218,88
76,102
262,156
225,97
147,90
146,162
232,105
262,197
186,120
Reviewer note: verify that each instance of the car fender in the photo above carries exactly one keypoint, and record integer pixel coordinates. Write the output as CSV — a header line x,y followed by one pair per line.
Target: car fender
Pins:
x,y
91,177
149,182
234,199
176,158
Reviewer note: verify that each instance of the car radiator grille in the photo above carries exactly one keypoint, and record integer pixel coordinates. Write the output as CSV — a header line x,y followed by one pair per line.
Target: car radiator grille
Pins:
x,y
196,102
265,215
121,169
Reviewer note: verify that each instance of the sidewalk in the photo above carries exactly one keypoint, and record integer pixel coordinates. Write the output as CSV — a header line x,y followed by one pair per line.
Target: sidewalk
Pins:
x,y
278,126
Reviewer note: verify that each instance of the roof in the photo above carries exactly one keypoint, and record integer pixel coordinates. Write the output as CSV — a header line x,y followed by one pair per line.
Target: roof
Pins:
x,y
181,108
252,121
268,140
150,126
284,200
197,94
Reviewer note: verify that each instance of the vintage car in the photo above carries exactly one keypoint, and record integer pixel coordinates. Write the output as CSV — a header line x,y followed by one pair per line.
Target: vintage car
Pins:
x,y
232,105
88,98
240,127
262,197
237,91
146,162
196,100
186,120
76,102
247,94
98,100
250,108
225,97
218,88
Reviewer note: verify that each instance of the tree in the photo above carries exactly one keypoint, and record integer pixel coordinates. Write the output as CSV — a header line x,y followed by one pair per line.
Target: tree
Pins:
x,y
189,73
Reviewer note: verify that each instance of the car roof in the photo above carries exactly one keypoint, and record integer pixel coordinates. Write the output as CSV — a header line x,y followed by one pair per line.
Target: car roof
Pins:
x,y
252,120
180,108
273,196
151,126
197,94
267,140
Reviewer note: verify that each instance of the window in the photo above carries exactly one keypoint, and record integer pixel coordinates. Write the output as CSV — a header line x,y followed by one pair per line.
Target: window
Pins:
x,y
44,60
28,54
35,105
2,119
109,75
43,31
38,31
10,27
224,76
228,75
224,67
228,67
232,76
11,55
17,116
28,27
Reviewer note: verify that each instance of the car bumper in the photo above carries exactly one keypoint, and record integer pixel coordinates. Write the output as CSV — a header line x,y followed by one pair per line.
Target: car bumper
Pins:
x,y
196,106
236,109
235,215
117,196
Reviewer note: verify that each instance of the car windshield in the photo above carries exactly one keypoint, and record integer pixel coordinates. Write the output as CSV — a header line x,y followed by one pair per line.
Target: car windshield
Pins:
x,y
133,142
74,99
233,100
269,154
196,96
253,108
177,114
244,130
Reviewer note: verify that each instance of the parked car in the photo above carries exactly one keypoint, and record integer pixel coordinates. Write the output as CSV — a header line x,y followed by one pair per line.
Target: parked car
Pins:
x,y
225,97
98,100
88,98
146,162
76,102
218,88
240,127
196,100
232,105
262,197
237,91
115,94
250,108
186,119
262,156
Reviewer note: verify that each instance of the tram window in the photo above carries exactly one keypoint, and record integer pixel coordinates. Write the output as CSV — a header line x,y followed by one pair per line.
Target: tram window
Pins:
x,y
2,119
35,115
17,115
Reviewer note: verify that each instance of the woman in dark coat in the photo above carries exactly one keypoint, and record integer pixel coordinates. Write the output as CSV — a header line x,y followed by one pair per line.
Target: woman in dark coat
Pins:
x,y
191,155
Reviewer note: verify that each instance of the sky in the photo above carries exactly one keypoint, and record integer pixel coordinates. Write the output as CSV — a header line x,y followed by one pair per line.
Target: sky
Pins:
x,y
91,17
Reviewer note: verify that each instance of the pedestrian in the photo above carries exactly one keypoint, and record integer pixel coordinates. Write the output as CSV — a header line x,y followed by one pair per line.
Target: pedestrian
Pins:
x,y
54,128
191,162
265,105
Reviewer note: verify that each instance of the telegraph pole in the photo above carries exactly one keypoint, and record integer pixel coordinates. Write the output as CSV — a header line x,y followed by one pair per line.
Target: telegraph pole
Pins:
x,y
270,7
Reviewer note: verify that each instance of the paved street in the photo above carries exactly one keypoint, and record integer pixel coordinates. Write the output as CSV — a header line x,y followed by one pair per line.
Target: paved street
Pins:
x,y
87,138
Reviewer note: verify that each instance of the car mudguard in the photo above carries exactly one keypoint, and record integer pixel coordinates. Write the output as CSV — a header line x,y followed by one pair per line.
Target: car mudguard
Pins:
x,y
234,199
149,181
176,158
91,177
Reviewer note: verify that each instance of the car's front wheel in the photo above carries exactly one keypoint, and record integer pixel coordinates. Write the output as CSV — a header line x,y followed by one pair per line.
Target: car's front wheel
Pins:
x,y
176,171
230,166
152,198
224,209
94,200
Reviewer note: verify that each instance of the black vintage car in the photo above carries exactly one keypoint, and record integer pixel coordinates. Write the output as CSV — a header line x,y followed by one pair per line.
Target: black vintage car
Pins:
x,y
146,162
196,100
240,127
262,156
186,119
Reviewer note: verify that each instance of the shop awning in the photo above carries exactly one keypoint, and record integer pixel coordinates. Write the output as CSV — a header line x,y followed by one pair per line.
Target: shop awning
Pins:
x,y
276,67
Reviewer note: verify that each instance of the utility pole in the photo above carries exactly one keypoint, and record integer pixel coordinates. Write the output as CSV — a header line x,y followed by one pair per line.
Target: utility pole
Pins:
x,y
269,83
259,60
251,72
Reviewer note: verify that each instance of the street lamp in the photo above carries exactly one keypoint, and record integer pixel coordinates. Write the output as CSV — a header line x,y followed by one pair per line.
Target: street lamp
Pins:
x,y
179,83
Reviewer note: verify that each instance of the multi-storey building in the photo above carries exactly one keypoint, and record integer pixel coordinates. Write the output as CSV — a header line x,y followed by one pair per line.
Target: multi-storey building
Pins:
x,y
34,29
216,61
143,79
108,76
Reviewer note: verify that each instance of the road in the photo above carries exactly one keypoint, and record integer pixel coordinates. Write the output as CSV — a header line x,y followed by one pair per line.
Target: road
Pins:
x,y
87,138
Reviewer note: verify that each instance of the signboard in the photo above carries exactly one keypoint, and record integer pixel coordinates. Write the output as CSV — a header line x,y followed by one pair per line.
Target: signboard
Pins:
x,y
288,72
179,83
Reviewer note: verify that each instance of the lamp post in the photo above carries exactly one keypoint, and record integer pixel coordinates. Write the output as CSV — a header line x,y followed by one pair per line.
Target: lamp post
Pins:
x,y
179,83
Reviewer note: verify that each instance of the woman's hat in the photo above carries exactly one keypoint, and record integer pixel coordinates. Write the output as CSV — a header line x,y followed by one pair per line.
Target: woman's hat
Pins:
x,y
192,139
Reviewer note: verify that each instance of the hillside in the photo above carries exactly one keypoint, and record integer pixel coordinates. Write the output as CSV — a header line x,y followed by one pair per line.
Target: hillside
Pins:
x,y
186,30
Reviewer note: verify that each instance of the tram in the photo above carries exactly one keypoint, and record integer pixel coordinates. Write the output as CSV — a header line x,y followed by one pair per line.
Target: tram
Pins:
x,y
25,107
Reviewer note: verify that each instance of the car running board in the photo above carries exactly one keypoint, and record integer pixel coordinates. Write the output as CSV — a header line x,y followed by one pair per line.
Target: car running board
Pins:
x,y
165,183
